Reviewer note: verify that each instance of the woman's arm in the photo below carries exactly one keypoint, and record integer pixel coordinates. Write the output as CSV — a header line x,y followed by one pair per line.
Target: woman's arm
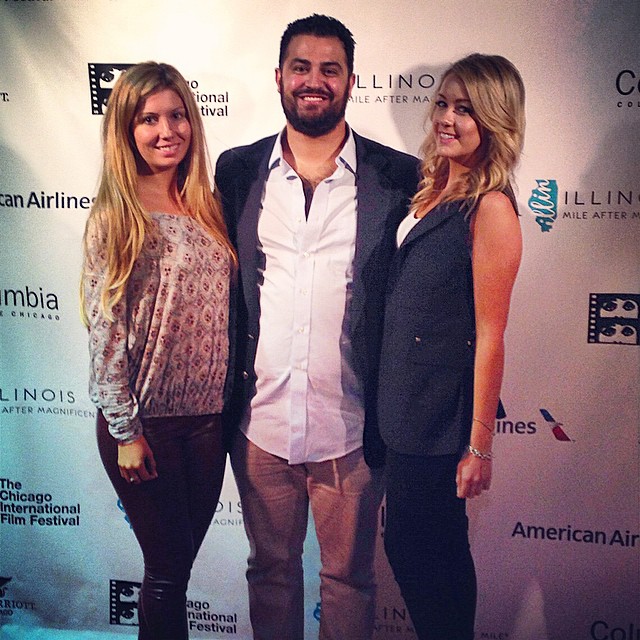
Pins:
x,y
109,363
496,253
110,373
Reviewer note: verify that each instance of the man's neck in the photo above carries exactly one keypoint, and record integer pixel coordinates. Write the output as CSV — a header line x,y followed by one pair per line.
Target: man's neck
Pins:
x,y
313,159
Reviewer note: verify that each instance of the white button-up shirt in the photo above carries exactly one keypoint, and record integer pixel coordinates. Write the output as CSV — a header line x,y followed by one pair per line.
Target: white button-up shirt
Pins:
x,y
308,405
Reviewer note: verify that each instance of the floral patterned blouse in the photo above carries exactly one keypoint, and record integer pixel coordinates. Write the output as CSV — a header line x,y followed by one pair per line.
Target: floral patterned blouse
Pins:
x,y
166,352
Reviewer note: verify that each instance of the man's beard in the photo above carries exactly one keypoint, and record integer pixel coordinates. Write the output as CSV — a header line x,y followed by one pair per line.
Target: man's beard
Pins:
x,y
314,125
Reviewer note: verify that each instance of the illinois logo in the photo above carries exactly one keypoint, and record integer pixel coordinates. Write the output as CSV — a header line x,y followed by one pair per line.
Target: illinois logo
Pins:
x,y
102,77
126,517
543,203
614,318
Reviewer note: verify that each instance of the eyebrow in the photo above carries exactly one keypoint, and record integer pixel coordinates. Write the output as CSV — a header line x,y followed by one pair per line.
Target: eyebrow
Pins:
x,y
157,113
327,63
442,95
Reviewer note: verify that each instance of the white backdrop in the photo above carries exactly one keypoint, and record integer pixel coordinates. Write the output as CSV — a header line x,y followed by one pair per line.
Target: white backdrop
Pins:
x,y
556,540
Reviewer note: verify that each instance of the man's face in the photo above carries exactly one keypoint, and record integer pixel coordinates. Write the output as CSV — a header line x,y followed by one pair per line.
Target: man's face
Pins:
x,y
314,84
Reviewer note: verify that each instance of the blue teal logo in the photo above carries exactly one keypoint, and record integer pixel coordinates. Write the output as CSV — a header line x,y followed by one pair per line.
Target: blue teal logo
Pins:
x,y
544,203
126,517
317,611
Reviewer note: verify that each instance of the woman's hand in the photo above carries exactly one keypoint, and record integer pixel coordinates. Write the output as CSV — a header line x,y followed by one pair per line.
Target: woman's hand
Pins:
x,y
473,477
136,461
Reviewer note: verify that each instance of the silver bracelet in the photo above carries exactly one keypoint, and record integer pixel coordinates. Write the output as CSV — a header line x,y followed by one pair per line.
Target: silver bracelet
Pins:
x,y
480,454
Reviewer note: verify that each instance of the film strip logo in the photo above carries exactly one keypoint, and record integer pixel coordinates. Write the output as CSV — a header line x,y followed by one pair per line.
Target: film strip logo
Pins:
x,y
102,77
614,318
123,602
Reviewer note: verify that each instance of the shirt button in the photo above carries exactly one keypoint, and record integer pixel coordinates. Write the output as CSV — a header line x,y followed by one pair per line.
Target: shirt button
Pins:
x,y
245,375
418,339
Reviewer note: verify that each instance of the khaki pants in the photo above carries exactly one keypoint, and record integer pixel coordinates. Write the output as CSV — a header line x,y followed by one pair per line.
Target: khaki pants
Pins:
x,y
344,495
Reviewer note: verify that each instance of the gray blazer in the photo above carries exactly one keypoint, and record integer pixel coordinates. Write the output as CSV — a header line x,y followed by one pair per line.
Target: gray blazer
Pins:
x,y
426,367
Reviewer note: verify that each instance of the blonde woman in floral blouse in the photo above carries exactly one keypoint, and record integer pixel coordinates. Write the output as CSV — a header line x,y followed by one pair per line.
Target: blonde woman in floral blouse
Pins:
x,y
155,297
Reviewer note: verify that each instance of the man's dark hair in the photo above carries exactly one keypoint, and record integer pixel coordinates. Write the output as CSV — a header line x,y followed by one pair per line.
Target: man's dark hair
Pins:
x,y
323,27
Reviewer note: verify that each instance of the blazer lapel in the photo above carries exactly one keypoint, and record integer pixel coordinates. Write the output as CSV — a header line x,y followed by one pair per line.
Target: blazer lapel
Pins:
x,y
376,197
249,255
433,219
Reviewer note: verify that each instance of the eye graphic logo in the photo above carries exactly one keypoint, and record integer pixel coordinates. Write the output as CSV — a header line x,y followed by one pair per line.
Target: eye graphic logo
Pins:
x,y
102,77
123,602
556,427
614,318
544,203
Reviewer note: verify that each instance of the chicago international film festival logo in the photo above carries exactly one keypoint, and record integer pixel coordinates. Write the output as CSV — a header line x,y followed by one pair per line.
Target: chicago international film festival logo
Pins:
x,y
614,318
102,77
123,602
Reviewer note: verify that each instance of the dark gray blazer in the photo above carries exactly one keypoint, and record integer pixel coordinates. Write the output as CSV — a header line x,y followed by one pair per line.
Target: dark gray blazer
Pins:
x,y
426,366
386,179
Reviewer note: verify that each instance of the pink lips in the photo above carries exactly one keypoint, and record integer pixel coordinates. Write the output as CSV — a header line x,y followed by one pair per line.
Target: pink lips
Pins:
x,y
445,137
168,150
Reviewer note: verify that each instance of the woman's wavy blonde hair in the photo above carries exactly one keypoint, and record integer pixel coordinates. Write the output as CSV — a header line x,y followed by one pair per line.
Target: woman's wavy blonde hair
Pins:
x,y
497,97
117,215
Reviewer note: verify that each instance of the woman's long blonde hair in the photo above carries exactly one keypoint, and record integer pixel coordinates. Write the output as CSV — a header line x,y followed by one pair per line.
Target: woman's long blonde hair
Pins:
x,y
497,97
117,215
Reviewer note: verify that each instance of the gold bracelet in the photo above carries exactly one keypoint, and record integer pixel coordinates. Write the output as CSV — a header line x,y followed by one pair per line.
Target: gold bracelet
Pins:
x,y
484,424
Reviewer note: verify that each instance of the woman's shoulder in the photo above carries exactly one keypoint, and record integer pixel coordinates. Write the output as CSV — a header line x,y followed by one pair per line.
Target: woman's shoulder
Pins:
x,y
495,222
496,199
497,203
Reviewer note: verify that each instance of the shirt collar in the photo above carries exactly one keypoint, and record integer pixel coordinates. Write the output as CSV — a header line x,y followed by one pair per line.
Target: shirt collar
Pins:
x,y
346,158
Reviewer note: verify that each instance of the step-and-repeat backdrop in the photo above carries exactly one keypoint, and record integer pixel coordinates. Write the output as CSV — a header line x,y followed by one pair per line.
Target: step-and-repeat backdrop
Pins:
x,y
556,541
